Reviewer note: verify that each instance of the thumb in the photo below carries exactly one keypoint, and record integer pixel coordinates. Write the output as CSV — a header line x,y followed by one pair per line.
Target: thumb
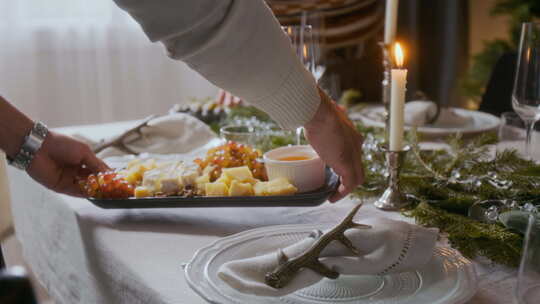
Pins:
x,y
92,163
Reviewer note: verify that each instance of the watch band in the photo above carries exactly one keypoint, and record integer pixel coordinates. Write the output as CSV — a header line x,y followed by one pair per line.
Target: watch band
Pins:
x,y
32,143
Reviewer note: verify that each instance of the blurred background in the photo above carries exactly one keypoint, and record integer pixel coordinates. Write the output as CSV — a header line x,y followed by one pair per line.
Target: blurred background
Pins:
x,y
70,62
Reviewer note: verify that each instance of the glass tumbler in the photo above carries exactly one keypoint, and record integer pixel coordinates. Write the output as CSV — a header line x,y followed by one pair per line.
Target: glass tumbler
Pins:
x,y
248,135
528,285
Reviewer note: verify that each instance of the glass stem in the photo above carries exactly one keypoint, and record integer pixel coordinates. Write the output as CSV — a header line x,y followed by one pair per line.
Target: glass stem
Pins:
x,y
299,136
530,127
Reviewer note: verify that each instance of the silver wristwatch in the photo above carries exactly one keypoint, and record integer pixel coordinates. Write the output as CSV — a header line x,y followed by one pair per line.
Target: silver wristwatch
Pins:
x,y
32,143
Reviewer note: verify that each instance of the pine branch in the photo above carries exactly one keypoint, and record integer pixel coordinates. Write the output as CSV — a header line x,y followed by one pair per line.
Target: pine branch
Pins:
x,y
471,237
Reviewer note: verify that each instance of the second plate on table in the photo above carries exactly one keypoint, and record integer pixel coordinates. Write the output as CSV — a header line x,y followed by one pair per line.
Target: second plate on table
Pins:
x,y
479,122
312,198
447,279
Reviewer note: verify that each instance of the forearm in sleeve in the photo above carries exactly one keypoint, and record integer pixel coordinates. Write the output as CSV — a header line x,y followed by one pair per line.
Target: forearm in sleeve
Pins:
x,y
239,46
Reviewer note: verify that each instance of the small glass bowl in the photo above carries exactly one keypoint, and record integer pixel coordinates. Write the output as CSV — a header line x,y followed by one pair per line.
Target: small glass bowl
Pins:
x,y
241,134
262,138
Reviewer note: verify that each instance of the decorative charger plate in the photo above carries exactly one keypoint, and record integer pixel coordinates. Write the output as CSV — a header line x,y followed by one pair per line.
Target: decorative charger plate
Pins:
x,y
447,279
480,122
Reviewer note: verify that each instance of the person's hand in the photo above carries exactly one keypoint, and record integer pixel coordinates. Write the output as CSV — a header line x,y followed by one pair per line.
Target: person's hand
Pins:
x,y
338,143
61,161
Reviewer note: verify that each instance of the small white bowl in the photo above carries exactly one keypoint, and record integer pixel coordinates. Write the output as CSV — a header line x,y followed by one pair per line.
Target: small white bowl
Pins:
x,y
306,175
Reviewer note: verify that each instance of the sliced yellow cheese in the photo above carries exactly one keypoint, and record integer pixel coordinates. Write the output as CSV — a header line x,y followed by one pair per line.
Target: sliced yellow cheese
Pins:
x,y
240,189
280,186
241,174
216,189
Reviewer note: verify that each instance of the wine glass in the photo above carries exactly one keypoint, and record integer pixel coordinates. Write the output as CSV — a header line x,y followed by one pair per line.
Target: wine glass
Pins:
x,y
301,37
314,22
526,93
528,285
306,45
512,127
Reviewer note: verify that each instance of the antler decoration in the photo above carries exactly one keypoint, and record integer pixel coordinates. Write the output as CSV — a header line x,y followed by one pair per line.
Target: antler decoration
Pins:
x,y
119,141
287,269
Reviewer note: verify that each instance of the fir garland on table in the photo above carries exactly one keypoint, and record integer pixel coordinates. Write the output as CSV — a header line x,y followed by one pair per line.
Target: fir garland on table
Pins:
x,y
472,238
443,184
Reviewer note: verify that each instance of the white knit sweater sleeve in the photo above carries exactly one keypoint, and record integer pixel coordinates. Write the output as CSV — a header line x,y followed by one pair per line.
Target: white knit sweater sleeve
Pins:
x,y
236,44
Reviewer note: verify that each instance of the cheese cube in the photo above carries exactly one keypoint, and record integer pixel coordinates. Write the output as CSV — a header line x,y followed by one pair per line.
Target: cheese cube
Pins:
x,y
280,186
151,180
240,189
224,179
241,174
133,163
133,175
170,185
142,191
189,175
260,188
200,183
135,170
149,164
216,189
208,169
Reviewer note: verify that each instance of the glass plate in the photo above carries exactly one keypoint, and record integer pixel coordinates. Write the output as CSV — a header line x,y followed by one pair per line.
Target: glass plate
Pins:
x,y
480,122
447,278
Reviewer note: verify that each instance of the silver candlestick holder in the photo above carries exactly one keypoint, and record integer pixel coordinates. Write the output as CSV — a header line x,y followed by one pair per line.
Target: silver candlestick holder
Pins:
x,y
386,85
393,198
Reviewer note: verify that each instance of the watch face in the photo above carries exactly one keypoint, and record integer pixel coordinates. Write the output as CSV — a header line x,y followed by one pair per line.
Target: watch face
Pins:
x,y
40,129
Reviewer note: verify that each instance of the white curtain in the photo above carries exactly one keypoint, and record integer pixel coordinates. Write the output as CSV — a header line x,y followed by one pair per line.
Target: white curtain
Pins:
x,y
69,62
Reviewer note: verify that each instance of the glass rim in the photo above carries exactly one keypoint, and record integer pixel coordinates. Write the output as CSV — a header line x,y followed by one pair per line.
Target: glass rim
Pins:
x,y
511,114
240,130
535,23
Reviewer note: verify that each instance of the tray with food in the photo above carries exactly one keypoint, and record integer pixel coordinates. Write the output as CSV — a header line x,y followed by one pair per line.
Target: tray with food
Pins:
x,y
230,175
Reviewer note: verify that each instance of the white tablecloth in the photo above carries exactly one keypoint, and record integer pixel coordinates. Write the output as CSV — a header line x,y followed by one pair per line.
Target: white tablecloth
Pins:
x,y
83,254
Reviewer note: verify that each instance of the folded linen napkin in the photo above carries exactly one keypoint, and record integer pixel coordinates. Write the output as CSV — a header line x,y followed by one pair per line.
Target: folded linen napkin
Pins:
x,y
388,247
419,112
172,133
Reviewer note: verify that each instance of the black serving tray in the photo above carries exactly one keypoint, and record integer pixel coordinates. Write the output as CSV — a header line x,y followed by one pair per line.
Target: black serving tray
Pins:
x,y
312,198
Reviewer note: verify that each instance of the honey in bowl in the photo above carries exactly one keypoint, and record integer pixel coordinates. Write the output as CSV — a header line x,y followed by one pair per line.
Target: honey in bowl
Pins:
x,y
295,158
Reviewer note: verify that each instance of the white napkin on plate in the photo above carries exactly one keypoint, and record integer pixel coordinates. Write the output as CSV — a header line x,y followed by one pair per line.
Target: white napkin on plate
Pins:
x,y
173,133
419,112
388,247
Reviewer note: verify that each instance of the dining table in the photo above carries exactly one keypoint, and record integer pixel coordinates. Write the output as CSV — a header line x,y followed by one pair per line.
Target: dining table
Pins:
x,y
82,253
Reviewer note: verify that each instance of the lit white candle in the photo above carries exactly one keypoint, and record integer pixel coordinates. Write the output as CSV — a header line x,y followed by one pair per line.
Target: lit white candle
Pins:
x,y
397,101
390,22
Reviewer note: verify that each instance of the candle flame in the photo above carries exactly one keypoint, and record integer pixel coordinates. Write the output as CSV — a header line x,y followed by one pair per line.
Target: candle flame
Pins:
x,y
398,55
